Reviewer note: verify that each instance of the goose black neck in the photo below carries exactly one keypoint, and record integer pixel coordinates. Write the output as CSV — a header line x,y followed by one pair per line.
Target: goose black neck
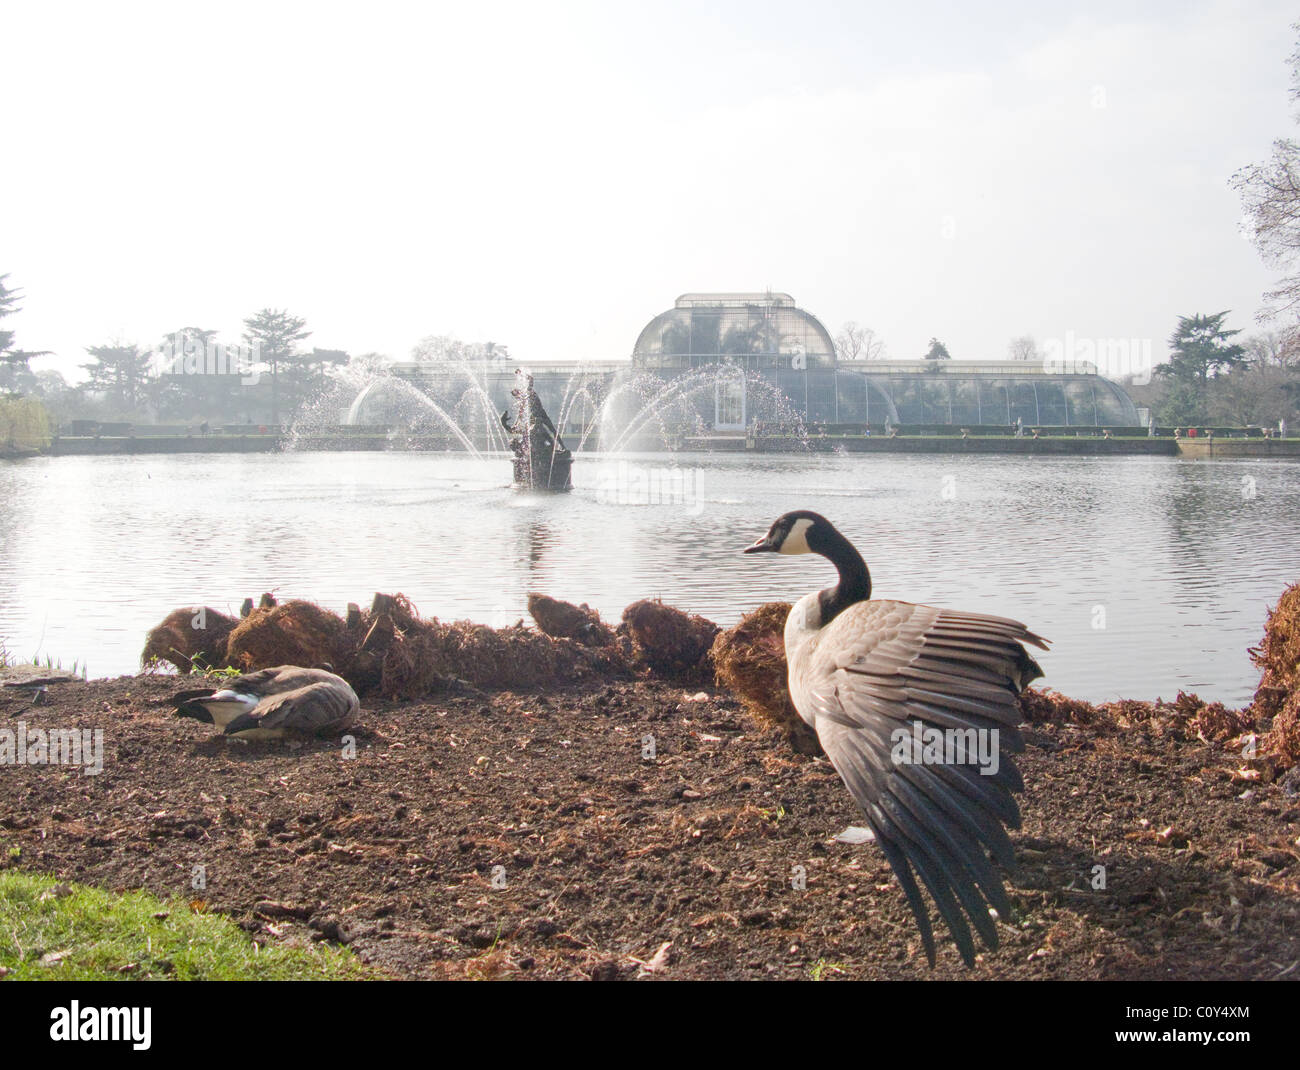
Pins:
x,y
855,580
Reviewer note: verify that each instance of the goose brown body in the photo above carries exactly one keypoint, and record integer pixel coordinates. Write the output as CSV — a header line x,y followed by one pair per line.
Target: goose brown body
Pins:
x,y
284,701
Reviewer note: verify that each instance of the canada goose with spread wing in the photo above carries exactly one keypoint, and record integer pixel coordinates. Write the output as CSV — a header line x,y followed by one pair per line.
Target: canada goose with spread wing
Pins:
x,y
916,708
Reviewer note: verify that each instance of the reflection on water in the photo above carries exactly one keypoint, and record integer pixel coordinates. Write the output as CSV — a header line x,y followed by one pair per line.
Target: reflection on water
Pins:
x,y
1178,560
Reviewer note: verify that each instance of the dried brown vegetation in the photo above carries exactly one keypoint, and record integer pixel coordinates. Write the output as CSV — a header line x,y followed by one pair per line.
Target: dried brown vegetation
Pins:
x,y
749,660
190,638
667,640
564,620
295,633
1278,696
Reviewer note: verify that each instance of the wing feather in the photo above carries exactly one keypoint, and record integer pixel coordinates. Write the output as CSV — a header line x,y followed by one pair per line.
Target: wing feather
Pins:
x,y
310,709
321,703
882,666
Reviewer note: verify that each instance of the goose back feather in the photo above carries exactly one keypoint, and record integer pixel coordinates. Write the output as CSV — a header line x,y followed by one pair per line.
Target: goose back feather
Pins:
x,y
286,700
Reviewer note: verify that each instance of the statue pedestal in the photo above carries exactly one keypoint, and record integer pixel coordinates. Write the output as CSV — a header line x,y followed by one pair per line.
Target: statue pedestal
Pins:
x,y
544,473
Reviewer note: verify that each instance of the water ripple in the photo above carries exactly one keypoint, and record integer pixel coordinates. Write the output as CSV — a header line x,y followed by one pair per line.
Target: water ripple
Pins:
x,y
1149,574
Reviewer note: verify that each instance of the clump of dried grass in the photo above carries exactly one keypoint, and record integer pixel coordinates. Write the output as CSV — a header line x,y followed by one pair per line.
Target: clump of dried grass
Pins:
x,y
749,661
1188,716
1045,706
424,656
1282,740
667,640
190,639
1210,722
389,648
564,620
1278,695
295,633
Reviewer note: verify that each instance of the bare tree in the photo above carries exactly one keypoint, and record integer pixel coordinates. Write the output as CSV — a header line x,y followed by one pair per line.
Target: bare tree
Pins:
x,y
445,348
364,368
1023,348
1270,349
1254,394
1270,194
855,342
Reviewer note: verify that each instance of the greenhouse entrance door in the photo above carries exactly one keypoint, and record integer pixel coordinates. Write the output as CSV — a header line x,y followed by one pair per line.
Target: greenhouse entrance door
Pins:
x,y
729,403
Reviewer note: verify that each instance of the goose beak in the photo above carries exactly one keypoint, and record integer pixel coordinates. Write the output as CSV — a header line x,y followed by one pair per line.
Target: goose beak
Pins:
x,y
760,547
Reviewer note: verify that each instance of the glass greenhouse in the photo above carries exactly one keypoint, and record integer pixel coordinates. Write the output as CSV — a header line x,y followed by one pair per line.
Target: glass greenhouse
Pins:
x,y
730,361
759,332
768,337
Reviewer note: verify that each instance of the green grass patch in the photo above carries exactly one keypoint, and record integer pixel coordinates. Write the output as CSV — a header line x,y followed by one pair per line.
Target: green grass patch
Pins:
x,y
821,970
55,931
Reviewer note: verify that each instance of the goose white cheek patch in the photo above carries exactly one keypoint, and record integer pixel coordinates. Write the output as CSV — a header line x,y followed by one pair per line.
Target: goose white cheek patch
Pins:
x,y
797,541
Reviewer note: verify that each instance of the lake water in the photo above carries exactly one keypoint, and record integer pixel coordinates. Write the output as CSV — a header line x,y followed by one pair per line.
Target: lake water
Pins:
x,y
1149,574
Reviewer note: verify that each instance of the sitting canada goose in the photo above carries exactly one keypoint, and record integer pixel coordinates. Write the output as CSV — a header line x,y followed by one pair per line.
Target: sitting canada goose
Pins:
x,y
274,703
885,685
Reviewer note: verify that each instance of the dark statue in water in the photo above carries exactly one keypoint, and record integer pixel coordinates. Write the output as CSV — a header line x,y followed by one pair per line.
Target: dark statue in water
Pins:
x,y
542,461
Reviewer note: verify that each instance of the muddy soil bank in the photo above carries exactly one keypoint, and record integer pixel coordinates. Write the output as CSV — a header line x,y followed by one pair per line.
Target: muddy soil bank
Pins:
x,y
533,835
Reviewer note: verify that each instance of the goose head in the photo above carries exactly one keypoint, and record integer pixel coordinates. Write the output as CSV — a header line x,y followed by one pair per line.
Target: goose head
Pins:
x,y
805,532
797,532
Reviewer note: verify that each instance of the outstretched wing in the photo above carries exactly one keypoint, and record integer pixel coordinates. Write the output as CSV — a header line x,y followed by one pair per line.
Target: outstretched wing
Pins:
x,y
878,681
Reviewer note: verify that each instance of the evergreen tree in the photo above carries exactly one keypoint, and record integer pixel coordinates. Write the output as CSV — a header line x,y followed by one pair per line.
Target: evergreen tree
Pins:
x,y
16,375
186,386
277,334
937,351
1199,348
123,373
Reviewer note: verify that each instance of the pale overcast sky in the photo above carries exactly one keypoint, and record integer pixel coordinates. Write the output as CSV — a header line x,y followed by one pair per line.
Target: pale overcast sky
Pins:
x,y
551,176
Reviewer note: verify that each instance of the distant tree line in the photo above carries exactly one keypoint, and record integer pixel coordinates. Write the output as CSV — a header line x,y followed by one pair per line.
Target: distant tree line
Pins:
x,y
1210,378
268,377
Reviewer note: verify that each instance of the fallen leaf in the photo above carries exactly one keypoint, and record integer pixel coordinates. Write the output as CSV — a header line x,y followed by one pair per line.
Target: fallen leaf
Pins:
x,y
657,963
